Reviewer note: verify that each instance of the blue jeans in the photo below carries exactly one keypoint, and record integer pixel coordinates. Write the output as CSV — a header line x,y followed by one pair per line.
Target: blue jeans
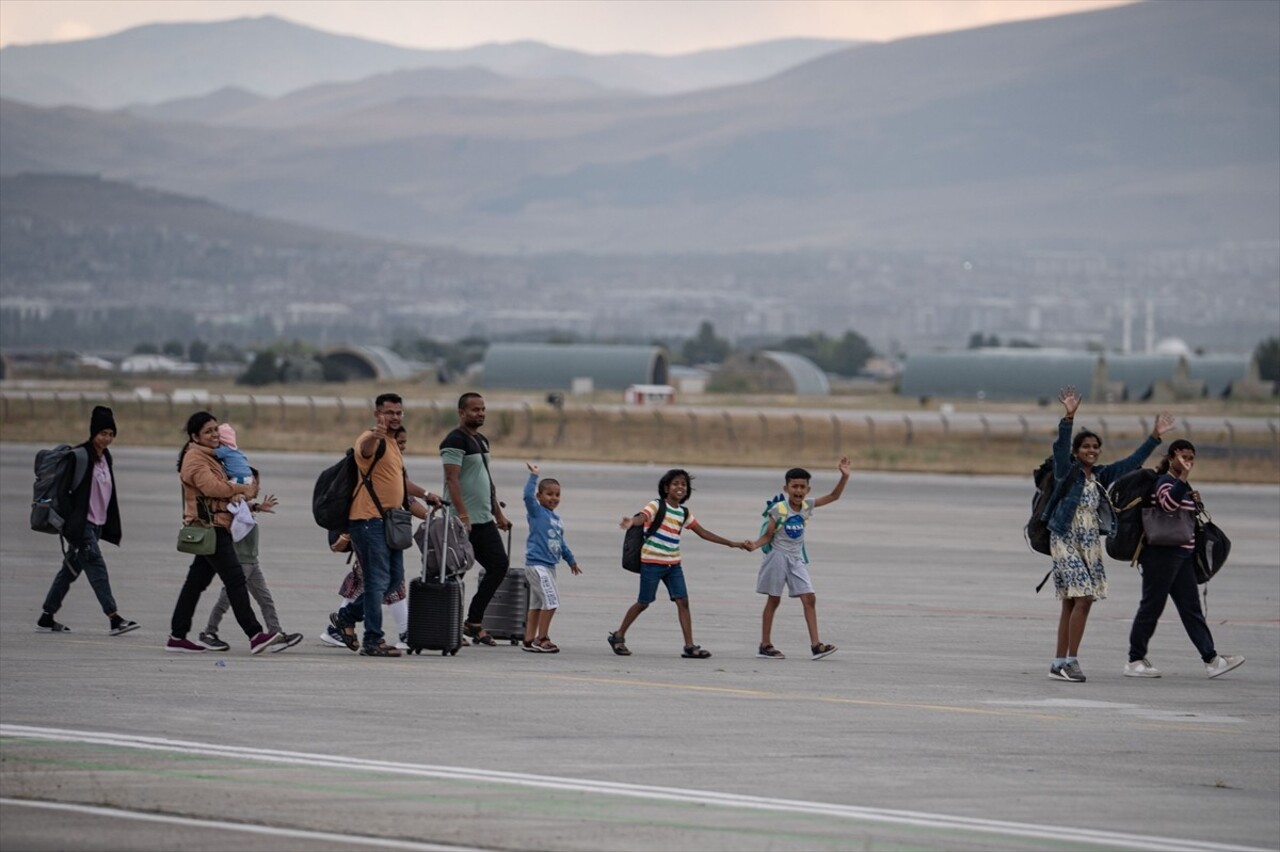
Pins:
x,y
383,570
86,556
672,576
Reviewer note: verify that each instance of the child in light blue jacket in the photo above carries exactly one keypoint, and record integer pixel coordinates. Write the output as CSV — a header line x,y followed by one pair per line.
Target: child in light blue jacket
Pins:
x,y
543,550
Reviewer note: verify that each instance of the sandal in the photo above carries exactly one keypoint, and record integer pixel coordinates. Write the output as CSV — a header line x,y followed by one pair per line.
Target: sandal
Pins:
x,y
546,646
346,632
382,649
695,652
619,645
820,650
477,634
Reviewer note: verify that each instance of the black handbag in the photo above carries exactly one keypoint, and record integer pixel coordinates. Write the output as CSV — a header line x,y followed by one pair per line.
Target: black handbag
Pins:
x,y
1212,547
1168,529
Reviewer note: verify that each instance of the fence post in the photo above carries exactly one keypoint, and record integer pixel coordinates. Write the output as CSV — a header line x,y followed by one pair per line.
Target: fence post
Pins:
x,y
1143,422
871,432
799,434
986,429
1231,442
253,410
693,430
57,401
835,435
1186,427
626,427
591,414
31,405
764,429
657,418
1106,431
311,410
169,397
81,407
560,425
946,426
1026,429
728,430
906,418
226,412
1275,442
528,424
282,410
342,411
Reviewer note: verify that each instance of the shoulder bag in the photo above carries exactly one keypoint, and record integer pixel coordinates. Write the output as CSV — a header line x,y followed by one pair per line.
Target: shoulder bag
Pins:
x,y
196,539
1168,529
397,523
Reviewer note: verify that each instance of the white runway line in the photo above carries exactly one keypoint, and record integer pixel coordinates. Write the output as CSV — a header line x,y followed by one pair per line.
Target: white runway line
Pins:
x,y
248,828
1058,833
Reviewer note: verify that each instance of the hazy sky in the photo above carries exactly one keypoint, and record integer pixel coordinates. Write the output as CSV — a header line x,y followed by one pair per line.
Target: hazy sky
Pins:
x,y
597,26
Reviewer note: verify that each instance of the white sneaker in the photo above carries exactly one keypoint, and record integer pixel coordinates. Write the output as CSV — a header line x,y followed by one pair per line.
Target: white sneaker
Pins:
x,y
1141,668
1220,665
403,644
330,637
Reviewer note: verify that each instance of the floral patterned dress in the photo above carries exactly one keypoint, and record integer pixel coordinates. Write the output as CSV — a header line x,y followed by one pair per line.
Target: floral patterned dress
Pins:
x,y
1077,556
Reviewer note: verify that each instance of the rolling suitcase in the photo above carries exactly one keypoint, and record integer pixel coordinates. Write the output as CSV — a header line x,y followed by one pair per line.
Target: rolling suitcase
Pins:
x,y
435,605
508,609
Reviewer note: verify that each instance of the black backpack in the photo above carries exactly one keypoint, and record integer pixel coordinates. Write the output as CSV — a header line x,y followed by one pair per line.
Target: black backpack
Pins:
x,y
335,489
59,472
634,538
1037,528
1128,495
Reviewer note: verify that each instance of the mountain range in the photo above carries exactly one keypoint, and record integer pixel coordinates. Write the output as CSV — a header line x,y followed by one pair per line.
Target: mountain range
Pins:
x,y
1149,125
269,57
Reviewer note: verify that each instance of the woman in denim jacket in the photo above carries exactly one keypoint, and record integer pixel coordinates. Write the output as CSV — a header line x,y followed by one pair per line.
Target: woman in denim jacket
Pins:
x,y
1079,514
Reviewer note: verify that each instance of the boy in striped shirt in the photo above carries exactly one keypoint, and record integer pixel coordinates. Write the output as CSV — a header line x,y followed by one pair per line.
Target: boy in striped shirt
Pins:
x,y
660,559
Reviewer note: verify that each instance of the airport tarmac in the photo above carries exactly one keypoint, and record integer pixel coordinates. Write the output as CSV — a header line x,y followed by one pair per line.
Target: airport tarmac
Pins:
x,y
933,727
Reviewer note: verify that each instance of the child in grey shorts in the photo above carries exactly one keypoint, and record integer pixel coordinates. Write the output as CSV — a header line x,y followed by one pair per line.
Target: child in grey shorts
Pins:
x,y
543,550
786,562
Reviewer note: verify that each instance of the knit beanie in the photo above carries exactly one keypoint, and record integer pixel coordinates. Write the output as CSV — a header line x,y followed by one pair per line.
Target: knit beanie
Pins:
x,y
100,419
227,433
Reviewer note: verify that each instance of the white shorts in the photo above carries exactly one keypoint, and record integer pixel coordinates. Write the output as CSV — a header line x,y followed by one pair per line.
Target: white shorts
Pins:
x,y
780,570
542,587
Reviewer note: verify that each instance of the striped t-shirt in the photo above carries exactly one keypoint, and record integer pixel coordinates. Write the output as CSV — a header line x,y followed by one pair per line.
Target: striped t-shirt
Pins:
x,y
663,547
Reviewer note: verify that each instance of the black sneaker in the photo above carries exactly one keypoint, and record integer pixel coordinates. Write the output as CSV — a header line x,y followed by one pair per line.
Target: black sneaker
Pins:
x,y
212,642
289,640
123,625
46,624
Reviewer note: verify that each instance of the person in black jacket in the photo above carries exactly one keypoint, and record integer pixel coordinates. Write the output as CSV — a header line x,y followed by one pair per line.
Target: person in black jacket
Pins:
x,y
94,517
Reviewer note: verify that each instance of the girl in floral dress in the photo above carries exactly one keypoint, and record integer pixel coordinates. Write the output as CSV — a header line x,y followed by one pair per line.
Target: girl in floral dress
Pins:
x,y
1079,514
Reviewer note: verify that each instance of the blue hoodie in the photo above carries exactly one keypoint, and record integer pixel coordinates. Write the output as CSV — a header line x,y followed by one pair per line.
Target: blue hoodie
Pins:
x,y
546,544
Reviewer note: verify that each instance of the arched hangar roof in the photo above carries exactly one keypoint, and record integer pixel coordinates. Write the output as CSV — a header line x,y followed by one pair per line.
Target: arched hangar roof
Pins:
x,y
1220,372
806,376
554,366
1140,373
1011,374
370,362
768,371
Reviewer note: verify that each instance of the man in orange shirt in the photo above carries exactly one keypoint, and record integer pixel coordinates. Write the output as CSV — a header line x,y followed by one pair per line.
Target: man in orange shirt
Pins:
x,y
382,470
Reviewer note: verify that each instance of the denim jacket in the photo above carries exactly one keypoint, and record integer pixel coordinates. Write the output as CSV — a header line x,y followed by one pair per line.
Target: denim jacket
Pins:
x,y
1062,508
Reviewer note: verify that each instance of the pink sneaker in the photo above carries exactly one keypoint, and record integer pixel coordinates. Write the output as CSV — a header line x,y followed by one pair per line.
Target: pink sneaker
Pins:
x,y
263,641
184,646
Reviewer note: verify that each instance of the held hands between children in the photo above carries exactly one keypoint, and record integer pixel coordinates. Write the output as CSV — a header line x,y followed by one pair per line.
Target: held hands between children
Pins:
x,y
629,521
